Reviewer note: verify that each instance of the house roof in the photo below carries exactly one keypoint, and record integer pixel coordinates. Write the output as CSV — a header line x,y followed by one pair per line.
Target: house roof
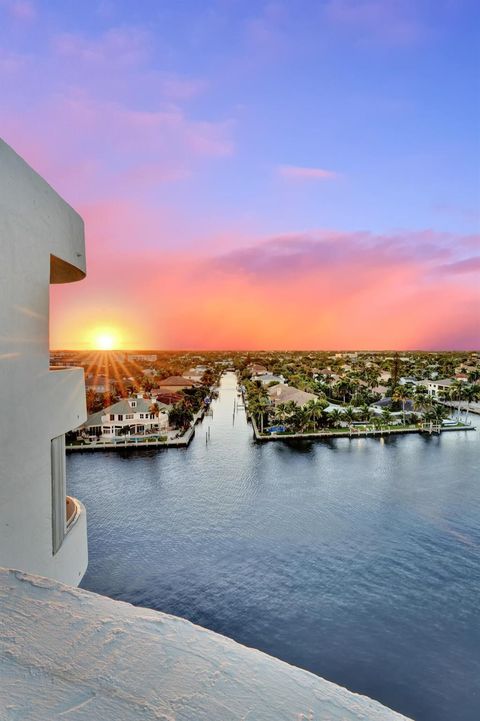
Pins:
x,y
169,397
177,381
283,393
256,368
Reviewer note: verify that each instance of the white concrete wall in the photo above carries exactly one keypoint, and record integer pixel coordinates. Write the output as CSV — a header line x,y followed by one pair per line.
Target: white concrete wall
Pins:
x,y
36,404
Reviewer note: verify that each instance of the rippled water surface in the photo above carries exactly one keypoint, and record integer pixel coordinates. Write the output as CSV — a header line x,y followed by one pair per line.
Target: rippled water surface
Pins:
x,y
357,560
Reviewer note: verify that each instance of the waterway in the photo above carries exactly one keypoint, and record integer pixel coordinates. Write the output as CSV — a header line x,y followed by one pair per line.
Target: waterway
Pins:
x,y
358,560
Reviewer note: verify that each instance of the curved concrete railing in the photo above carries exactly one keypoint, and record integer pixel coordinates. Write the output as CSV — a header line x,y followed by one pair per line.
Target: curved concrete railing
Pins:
x,y
68,652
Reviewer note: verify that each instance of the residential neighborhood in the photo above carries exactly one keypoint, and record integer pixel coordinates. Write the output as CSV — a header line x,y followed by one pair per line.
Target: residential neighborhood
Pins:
x,y
139,396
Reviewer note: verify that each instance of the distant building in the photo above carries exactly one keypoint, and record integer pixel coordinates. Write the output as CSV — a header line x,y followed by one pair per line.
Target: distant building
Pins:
x,y
195,374
99,383
144,357
133,413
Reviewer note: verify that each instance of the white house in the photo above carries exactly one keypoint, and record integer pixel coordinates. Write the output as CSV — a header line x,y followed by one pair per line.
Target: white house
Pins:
x,y
41,242
130,414
267,378
438,387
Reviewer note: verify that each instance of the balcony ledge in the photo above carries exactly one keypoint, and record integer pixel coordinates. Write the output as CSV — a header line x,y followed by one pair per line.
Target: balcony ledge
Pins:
x,y
68,652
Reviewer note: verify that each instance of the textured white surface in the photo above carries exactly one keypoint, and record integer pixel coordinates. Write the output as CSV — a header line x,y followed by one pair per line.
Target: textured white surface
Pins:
x,y
70,654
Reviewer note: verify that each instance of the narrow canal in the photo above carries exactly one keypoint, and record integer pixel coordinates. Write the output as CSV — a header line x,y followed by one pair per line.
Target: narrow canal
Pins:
x,y
355,559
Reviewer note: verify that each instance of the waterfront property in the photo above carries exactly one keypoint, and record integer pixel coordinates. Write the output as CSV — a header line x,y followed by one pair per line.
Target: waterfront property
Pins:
x,y
128,416
437,388
282,393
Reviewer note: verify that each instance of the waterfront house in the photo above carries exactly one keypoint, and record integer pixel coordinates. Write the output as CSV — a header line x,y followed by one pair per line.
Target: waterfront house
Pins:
x,y
283,393
130,415
386,403
438,387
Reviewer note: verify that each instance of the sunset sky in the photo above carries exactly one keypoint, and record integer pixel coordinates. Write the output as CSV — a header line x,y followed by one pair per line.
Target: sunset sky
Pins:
x,y
296,174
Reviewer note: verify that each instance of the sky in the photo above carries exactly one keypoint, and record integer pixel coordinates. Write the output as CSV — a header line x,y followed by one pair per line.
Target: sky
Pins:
x,y
293,174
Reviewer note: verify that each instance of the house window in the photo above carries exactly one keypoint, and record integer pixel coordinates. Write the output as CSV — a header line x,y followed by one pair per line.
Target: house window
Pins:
x,y
112,417
133,404
129,416
59,492
120,417
141,415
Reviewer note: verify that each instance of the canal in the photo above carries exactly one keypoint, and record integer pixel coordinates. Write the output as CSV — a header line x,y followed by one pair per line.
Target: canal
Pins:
x,y
355,559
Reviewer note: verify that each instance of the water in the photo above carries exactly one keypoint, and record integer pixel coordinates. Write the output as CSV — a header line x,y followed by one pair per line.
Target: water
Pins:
x,y
357,560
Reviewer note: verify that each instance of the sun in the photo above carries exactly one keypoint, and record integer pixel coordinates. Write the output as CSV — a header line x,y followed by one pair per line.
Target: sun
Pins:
x,y
104,339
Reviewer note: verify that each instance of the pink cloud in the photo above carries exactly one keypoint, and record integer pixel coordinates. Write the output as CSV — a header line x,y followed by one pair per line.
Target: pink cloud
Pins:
x,y
387,22
467,265
21,10
327,289
299,173
91,148
127,46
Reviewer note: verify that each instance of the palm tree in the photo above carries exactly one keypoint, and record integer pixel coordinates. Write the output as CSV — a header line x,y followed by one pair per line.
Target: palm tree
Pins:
x,y
313,411
155,410
336,416
343,388
401,394
282,411
456,393
419,397
471,394
349,415
365,411
386,416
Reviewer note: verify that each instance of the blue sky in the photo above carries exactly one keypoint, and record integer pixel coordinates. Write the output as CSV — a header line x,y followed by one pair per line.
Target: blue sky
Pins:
x,y
227,122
